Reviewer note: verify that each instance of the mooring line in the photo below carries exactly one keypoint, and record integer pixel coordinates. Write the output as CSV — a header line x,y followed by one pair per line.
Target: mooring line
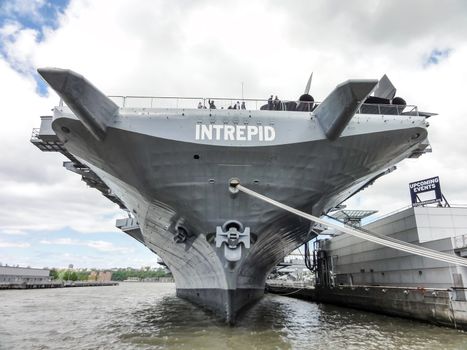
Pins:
x,y
295,291
372,237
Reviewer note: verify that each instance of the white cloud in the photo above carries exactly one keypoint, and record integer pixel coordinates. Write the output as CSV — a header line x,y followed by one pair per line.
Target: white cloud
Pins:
x,y
61,241
19,45
37,192
93,260
14,245
13,232
103,246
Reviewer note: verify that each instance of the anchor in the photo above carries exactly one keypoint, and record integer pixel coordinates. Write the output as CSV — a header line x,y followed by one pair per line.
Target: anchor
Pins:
x,y
232,239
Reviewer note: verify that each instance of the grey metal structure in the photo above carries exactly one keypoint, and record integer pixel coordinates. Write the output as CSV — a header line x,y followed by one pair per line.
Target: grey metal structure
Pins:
x,y
11,274
352,217
353,262
170,168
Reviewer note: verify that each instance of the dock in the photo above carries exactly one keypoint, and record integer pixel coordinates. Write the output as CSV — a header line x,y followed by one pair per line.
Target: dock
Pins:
x,y
431,305
367,276
56,284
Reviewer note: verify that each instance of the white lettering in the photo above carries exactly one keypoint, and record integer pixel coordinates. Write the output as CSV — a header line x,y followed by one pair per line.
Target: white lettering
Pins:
x,y
424,182
251,131
206,132
260,133
241,132
269,133
424,188
218,131
229,133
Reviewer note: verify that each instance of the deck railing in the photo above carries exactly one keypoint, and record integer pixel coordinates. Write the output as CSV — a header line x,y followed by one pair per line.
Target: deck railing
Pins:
x,y
35,134
184,102
250,104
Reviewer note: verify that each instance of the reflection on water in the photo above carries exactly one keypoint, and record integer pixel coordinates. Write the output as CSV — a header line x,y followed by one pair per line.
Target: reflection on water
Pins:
x,y
149,316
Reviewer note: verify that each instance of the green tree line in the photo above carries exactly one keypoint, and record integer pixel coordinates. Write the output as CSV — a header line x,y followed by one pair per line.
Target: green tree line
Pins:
x,y
117,275
69,275
123,274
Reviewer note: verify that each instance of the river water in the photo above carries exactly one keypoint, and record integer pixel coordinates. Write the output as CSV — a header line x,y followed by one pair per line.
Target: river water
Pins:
x,y
150,316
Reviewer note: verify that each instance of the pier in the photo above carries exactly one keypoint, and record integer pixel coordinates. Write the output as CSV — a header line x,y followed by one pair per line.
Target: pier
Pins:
x,y
432,305
383,280
15,277
55,284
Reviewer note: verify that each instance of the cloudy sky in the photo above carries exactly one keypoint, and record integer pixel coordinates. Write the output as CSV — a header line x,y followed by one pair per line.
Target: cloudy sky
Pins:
x,y
48,217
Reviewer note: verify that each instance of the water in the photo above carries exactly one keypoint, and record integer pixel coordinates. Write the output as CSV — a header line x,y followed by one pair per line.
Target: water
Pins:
x,y
149,316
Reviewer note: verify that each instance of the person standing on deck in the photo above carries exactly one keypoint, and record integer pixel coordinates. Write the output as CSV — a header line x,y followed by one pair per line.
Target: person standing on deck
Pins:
x,y
277,104
270,105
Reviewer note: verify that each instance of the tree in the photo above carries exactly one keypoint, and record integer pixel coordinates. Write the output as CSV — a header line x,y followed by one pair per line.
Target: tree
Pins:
x,y
73,276
123,274
65,275
54,274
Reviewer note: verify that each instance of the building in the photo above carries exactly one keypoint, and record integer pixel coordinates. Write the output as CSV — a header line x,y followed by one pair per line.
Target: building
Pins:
x,y
92,276
104,276
10,274
352,261
101,276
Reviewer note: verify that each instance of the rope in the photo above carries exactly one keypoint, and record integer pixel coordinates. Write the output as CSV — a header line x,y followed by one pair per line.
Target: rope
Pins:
x,y
295,291
369,236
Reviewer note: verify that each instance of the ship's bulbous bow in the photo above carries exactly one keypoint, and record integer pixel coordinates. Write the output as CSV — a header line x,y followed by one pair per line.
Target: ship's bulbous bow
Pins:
x,y
227,303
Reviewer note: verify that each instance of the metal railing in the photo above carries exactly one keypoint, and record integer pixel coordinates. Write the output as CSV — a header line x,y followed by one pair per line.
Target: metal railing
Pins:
x,y
184,102
35,134
290,284
387,109
249,104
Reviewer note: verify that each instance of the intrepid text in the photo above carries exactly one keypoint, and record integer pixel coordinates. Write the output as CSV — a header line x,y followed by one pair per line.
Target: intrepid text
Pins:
x,y
235,132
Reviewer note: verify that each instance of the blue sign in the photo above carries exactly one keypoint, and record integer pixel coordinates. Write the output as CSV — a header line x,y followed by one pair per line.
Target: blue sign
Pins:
x,y
428,185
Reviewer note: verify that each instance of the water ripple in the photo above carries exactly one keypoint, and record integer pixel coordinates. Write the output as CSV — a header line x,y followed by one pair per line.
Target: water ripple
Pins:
x,y
150,316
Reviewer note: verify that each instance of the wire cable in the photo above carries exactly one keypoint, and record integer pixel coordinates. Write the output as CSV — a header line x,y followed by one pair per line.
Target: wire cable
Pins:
x,y
366,235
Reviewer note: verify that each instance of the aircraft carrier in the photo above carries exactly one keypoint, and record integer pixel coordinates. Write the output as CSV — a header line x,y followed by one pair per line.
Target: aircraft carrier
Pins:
x,y
170,169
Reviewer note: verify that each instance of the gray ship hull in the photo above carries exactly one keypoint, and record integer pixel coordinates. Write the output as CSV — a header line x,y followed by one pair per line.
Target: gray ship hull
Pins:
x,y
170,180
171,170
